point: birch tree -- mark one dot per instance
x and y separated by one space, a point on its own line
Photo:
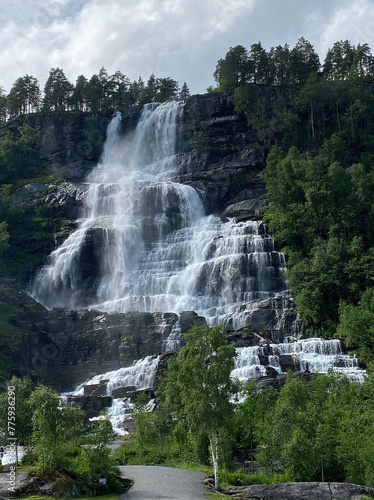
199 387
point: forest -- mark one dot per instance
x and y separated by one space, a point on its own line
314 124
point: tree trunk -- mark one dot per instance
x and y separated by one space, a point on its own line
214 447
337 116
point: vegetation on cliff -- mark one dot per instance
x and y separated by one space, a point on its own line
314 126
315 123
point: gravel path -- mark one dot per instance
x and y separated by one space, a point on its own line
163 483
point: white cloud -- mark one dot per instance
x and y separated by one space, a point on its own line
182 39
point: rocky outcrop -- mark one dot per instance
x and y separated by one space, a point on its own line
223 158
69 144
62 348
302 491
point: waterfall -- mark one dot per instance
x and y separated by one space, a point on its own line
141 375
315 355
144 243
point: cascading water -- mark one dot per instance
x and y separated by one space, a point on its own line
145 244
315 355
139 376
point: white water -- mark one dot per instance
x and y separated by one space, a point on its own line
315 355
145 244
140 375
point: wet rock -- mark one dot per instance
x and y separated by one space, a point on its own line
91 405
247 209
275 380
123 392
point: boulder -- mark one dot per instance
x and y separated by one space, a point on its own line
247 209
302 491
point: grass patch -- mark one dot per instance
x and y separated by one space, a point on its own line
240 478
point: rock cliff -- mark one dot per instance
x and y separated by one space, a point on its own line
220 157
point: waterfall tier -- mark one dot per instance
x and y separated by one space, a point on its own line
314 355
145 244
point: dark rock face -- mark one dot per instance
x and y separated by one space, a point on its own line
68 196
220 159
302 491
63 348
69 143
91 405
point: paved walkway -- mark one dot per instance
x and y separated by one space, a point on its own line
163 483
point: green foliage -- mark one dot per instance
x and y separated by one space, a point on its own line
321 208
21 392
17 154
198 388
57 91
356 326
60 442
53 429
233 70
24 96
317 431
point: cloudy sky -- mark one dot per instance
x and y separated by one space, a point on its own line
182 39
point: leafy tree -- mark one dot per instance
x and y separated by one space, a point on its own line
137 91
94 459
79 98
3 106
168 90
23 428
280 65
53 428
145 424
261 71
356 326
199 387
304 61
119 86
57 91
17 154
150 90
339 60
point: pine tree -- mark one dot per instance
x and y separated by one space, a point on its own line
57 91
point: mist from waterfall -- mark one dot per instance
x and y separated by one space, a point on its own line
144 243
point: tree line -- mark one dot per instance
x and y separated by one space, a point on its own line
97 94
290 68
